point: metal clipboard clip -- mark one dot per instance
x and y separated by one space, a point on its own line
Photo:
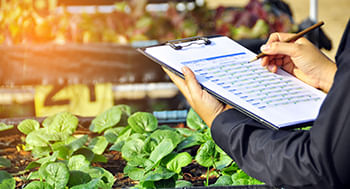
193 41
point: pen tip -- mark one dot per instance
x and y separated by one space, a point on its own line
252 60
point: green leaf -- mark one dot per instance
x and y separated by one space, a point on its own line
107 119
32 165
5 162
166 183
38 185
133 152
39 152
4 127
47 121
41 137
178 161
183 184
28 125
33 175
77 178
93 184
123 136
137 136
98 144
70 138
124 108
166 127
230 170
241 178
150 145
160 135
186 131
78 162
126 112
107 178
159 173
99 158
57 145
193 121
132 149
134 173
63 152
117 146
223 181
142 122
89 155
146 185
6 180
205 154
55 173
78 143
163 149
190 141
38 163
223 162
112 134
64 122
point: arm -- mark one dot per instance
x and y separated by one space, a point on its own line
278 158
317 158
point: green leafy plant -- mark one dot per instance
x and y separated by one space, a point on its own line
63 159
6 180
156 155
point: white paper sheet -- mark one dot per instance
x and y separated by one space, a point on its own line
276 99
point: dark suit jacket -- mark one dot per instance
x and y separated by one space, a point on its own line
319 158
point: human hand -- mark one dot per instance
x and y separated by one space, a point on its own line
300 58
203 103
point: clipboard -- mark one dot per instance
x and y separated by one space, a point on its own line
222 68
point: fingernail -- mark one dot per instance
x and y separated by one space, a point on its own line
265 47
270 67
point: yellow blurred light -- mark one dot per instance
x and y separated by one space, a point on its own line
40 4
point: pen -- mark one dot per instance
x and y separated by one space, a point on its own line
293 38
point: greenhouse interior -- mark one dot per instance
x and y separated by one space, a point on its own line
82 107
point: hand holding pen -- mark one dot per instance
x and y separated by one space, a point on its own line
292 38
300 58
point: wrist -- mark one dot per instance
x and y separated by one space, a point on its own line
327 76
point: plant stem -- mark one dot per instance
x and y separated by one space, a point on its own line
208 173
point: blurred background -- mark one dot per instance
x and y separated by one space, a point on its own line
333 13
79 55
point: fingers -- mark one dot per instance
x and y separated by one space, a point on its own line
189 87
192 84
281 48
279 53
274 37
180 83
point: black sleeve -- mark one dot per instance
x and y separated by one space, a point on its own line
293 158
